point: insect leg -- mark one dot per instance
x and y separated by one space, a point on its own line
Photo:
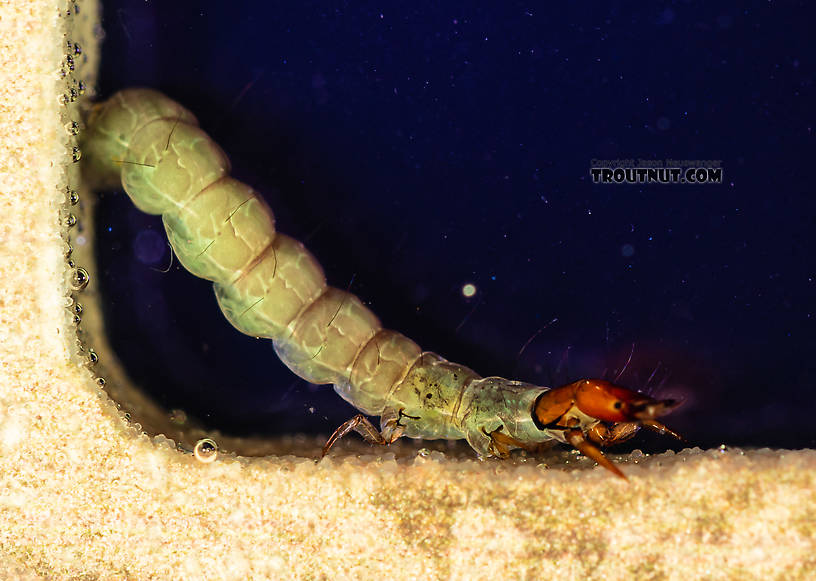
615 434
390 424
503 443
362 426
575 438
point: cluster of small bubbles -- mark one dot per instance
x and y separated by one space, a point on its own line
71 221
205 451
79 279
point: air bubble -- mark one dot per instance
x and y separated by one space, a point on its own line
72 128
73 196
468 290
71 221
78 308
205 451
80 279
100 381
93 358
178 417
77 319
76 154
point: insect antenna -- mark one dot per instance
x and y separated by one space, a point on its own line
244 91
533 336
169 137
466 317
165 270
632 352
123 161
648 390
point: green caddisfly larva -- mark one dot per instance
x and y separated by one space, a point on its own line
268 285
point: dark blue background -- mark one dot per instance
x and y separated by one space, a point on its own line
418 146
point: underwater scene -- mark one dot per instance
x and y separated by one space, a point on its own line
537 191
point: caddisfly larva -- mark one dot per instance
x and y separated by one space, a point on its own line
268 285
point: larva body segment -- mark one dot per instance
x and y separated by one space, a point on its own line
269 285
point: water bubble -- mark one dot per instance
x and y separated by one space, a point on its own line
80 279
205 451
468 290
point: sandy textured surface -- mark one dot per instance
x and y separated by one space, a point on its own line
83 495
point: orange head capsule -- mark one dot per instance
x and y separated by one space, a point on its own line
610 403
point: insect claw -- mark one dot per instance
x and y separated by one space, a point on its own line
662 430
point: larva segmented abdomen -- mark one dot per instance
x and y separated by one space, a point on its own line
267 284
